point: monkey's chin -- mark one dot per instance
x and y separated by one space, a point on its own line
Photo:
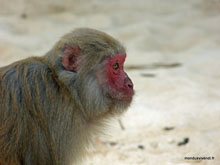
121 105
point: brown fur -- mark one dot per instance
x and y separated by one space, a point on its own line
48 114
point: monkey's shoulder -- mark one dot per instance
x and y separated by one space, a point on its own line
29 81
28 71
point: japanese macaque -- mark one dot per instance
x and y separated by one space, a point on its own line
52 106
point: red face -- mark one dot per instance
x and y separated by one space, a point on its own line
119 84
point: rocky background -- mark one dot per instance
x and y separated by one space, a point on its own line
173 49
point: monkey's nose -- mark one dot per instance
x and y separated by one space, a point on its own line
129 85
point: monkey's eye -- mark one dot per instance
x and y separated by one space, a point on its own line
115 66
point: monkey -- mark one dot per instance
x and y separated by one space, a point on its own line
51 106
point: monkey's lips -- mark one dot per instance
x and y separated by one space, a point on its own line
126 96
128 99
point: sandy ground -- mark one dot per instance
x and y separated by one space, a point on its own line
173 49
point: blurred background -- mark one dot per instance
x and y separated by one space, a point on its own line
173 49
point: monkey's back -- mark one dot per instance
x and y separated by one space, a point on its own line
26 88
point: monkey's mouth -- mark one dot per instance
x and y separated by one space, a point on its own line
127 93
122 96
128 99
129 96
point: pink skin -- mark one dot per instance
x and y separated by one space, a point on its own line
118 80
70 58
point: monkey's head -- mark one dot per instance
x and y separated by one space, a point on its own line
91 62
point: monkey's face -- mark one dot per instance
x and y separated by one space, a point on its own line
117 84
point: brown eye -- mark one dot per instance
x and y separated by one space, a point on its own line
115 66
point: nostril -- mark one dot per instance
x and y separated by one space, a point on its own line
130 85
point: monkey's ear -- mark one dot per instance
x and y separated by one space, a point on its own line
70 57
